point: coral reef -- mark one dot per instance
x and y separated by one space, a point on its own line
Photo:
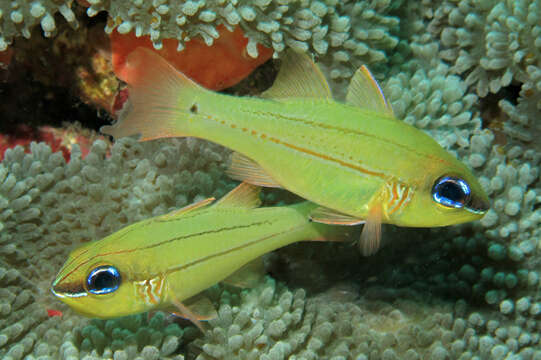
344 34
18 17
275 323
467 72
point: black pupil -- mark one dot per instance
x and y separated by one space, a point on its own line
452 191
103 280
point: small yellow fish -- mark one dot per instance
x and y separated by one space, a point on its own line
160 262
356 160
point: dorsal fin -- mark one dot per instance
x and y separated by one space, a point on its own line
181 212
244 196
365 92
245 169
299 77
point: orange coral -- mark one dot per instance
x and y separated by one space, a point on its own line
215 67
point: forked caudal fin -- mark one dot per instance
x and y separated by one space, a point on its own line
161 99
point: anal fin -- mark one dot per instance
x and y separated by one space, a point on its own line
248 276
247 170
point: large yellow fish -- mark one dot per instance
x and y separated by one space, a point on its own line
356 160
160 262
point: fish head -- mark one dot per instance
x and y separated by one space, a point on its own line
447 194
97 285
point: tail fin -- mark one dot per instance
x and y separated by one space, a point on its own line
161 98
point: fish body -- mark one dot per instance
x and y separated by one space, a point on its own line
355 159
176 256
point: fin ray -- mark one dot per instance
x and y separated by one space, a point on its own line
299 77
186 313
245 169
328 216
244 195
370 240
365 92
183 211
159 96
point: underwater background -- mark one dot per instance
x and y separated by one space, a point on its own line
468 72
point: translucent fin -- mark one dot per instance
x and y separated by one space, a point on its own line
332 217
244 196
160 98
187 313
298 77
365 92
181 212
370 240
248 276
201 307
247 170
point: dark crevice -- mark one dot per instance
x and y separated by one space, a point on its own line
491 114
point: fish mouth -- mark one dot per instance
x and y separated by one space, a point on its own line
67 291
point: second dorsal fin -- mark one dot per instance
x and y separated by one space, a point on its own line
189 208
365 92
243 196
299 77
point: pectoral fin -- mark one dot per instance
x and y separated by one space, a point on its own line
196 309
370 240
299 77
365 92
332 217
247 170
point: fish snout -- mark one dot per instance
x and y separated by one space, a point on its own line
61 290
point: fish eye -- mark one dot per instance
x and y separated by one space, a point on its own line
451 192
103 280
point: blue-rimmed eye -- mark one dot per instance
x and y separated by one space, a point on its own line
451 192
103 280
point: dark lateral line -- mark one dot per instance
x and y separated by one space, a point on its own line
162 243
225 252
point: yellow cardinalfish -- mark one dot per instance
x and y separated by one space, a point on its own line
160 262
355 159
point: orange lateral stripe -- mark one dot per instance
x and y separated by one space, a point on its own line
325 157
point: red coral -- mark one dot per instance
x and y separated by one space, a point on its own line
215 67
59 139
5 58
